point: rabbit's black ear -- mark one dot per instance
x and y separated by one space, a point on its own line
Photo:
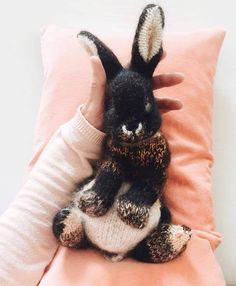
95 47
147 46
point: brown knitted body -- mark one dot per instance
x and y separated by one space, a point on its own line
143 159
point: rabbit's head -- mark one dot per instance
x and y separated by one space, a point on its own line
131 111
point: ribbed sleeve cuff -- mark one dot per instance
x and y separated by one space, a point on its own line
82 136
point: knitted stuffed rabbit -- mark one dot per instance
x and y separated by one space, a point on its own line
120 209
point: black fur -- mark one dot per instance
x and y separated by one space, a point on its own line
97 200
157 247
134 151
126 98
110 62
58 225
132 118
165 215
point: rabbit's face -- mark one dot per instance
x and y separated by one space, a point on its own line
131 112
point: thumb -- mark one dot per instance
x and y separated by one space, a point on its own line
97 90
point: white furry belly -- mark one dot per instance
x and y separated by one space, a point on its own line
110 233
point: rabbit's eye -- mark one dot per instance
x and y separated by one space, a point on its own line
148 106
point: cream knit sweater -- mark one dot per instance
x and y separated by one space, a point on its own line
27 244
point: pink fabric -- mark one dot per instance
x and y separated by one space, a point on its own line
188 191
197 266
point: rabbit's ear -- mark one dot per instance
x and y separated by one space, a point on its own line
95 47
147 46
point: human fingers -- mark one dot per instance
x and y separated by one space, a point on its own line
166 80
167 104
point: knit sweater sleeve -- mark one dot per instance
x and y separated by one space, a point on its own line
27 244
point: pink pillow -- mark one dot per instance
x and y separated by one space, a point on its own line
188 191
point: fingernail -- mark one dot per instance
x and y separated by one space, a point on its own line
179 74
180 104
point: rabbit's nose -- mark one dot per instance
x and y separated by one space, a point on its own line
131 126
135 128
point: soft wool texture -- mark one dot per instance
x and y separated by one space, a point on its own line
111 232
188 193
117 222
27 250
151 20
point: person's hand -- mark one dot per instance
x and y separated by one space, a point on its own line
93 109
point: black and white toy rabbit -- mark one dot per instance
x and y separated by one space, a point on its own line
120 209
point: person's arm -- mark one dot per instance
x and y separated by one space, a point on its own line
26 241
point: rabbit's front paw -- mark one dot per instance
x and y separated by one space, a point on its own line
92 204
135 215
